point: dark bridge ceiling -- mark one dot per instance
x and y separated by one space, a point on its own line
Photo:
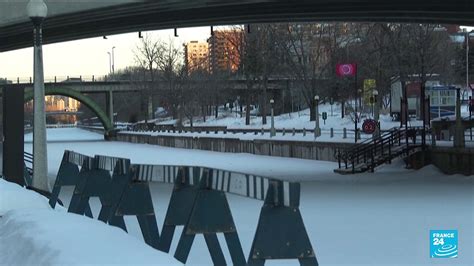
77 19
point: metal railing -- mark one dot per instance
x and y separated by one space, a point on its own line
332 132
63 79
378 150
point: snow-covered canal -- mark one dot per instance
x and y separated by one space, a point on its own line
382 218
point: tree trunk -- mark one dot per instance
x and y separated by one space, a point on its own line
203 112
264 104
143 109
343 103
180 117
150 107
247 111
312 114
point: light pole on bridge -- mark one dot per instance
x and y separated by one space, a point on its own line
110 62
113 60
37 11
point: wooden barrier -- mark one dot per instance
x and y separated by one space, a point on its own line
69 173
198 203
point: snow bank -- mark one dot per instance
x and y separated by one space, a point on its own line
15 197
46 237
31 233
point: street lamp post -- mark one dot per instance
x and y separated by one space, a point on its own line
272 129
113 60
317 130
355 113
375 93
37 11
375 110
110 62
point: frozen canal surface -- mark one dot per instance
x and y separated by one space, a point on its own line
367 219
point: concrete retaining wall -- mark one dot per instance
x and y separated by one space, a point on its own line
449 160
453 161
294 149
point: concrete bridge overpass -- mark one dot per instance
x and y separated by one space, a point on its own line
72 20
80 88
101 84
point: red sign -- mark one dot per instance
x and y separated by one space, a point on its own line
369 126
344 70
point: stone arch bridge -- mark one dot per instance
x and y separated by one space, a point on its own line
84 99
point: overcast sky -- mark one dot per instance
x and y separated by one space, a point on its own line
89 57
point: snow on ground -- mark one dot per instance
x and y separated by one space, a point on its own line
380 218
153 154
31 233
297 120
14 197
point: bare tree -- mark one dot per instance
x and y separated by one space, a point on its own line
173 74
147 54
309 49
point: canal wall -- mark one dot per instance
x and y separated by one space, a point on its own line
324 151
447 159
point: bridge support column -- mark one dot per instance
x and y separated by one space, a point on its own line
13 134
110 106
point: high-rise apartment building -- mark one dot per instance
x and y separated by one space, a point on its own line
224 50
196 56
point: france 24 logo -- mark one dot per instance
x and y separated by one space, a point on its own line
443 243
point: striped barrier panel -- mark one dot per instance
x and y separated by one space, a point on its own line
128 197
93 181
69 173
199 203
196 207
110 179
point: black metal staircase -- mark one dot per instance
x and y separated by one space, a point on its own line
373 152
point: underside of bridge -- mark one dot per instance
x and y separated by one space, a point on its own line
71 20
101 114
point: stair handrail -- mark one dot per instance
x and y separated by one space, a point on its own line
393 134
366 143
370 146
